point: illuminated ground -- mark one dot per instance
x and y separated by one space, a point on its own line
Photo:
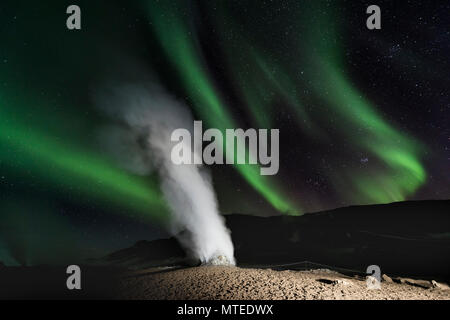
237 283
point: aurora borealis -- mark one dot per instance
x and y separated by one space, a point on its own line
173 34
363 115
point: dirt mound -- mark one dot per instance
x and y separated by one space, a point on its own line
228 283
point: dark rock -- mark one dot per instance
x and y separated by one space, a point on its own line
425 284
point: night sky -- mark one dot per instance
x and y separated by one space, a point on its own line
364 115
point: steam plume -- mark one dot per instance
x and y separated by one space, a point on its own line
147 116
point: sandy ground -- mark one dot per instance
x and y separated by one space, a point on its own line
228 283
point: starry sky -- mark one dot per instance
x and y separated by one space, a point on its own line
364 115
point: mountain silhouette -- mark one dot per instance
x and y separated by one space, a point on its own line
403 238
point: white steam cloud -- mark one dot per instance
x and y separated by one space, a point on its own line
141 142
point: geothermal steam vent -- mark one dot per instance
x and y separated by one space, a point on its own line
148 113
219 260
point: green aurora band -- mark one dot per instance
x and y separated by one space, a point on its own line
27 149
176 40
399 171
